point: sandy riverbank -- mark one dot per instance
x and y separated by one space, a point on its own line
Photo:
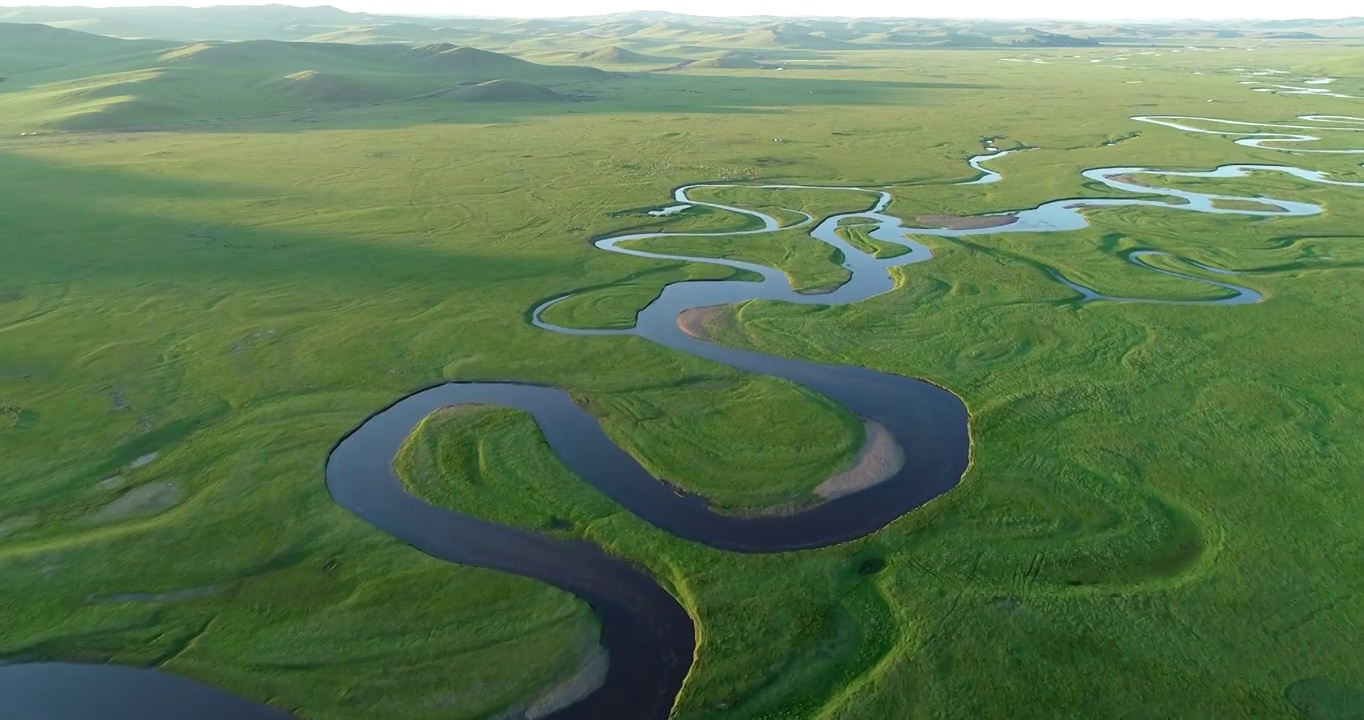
878 461
693 322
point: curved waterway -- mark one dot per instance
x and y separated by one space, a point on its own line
649 635
987 176
1267 136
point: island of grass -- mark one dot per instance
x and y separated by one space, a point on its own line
857 232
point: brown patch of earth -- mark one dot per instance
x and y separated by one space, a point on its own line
966 222
693 322
878 461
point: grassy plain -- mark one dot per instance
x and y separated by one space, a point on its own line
1162 516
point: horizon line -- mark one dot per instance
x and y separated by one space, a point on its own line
747 16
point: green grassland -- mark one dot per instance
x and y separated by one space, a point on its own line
1162 516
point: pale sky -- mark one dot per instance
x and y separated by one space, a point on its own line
1069 9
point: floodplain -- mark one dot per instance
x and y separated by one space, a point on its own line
224 256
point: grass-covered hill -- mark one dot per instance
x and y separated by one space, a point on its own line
26 47
616 55
1033 37
786 35
58 79
650 33
732 60
225 22
506 91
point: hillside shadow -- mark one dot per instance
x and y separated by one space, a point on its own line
676 91
67 226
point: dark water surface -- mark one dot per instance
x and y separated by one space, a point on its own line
64 691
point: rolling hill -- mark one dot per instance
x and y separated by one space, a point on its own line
1291 35
25 47
314 87
642 32
1033 37
68 80
785 38
728 61
235 61
506 91
224 22
616 55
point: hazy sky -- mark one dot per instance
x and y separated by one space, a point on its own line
903 8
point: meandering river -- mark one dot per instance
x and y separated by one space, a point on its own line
650 637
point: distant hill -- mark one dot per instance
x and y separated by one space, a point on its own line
506 91
648 16
380 32
644 32
316 87
1306 23
484 64
455 63
728 61
616 55
894 38
783 37
1033 37
1295 35
963 41
68 80
224 22
26 47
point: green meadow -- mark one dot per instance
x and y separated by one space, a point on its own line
216 257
